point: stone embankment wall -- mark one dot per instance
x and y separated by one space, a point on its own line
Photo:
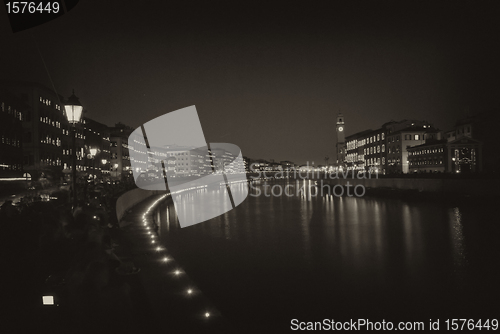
478 187
131 198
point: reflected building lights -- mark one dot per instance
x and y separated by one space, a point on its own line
457 237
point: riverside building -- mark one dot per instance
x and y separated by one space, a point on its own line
384 150
12 112
457 153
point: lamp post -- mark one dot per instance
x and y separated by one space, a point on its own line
73 109
104 162
93 153
115 166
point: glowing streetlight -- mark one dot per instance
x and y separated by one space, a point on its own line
74 110
93 153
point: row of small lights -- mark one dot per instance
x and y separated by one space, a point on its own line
267 178
49 300
166 259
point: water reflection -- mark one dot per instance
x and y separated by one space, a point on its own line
305 216
332 247
456 231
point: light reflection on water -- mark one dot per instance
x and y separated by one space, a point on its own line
358 227
358 251
457 237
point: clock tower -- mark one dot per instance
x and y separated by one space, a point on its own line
340 129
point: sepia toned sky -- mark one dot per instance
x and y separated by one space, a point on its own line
267 76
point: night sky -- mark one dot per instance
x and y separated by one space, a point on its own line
269 77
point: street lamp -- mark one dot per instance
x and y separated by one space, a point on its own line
74 110
93 152
115 168
104 162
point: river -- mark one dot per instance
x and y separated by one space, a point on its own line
277 258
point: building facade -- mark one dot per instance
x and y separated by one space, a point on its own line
483 127
120 166
458 152
97 136
385 150
45 129
12 112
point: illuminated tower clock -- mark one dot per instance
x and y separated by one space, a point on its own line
340 140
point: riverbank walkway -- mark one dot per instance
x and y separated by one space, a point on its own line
164 298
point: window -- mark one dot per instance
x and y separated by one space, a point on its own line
378 149
383 147
378 137
417 137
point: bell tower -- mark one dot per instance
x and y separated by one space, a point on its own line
340 129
